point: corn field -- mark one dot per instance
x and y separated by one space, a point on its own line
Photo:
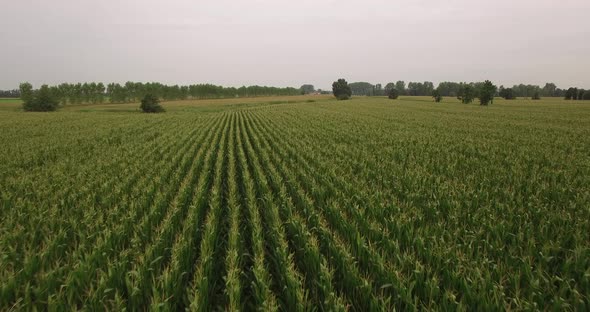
363 205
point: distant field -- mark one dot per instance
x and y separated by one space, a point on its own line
10 101
297 203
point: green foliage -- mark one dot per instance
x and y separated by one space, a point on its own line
341 89
536 95
392 94
131 92
362 88
42 100
507 93
26 92
571 94
581 94
486 92
586 95
436 96
151 104
466 94
400 85
420 88
307 89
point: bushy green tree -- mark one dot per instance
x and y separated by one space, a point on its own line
486 93
307 89
581 94
436 96
341 89
400 85
151 104
536 95
571 94
466 94
507 93
42 100
26 91
586 95
392 93
388 87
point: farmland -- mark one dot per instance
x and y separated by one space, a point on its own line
297 203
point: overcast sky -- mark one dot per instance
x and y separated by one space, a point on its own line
289 43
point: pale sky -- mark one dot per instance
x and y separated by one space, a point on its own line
289 43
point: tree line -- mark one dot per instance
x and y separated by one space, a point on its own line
455 89
94 93
9 94
465 92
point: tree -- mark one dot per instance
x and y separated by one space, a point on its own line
400 85
378 90
580 94
486 93
362 88
392 93
569 94
436 95
507 93
26 91
536 95
586 95
415 88
388 87
341 89
42 100
307 89
549 89
466 94
151 104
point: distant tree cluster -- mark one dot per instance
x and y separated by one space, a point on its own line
464 91
9 94
307 89
506 93
577 94
94 93
42 100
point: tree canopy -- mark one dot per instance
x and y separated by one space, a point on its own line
307 89
341 89
486 93
436 95
42 100
392 93
151 104
506 93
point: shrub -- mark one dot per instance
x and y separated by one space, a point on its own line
392 94
536 96
436 95
486 93
341 89
507 93
466 94
151 104
42 100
